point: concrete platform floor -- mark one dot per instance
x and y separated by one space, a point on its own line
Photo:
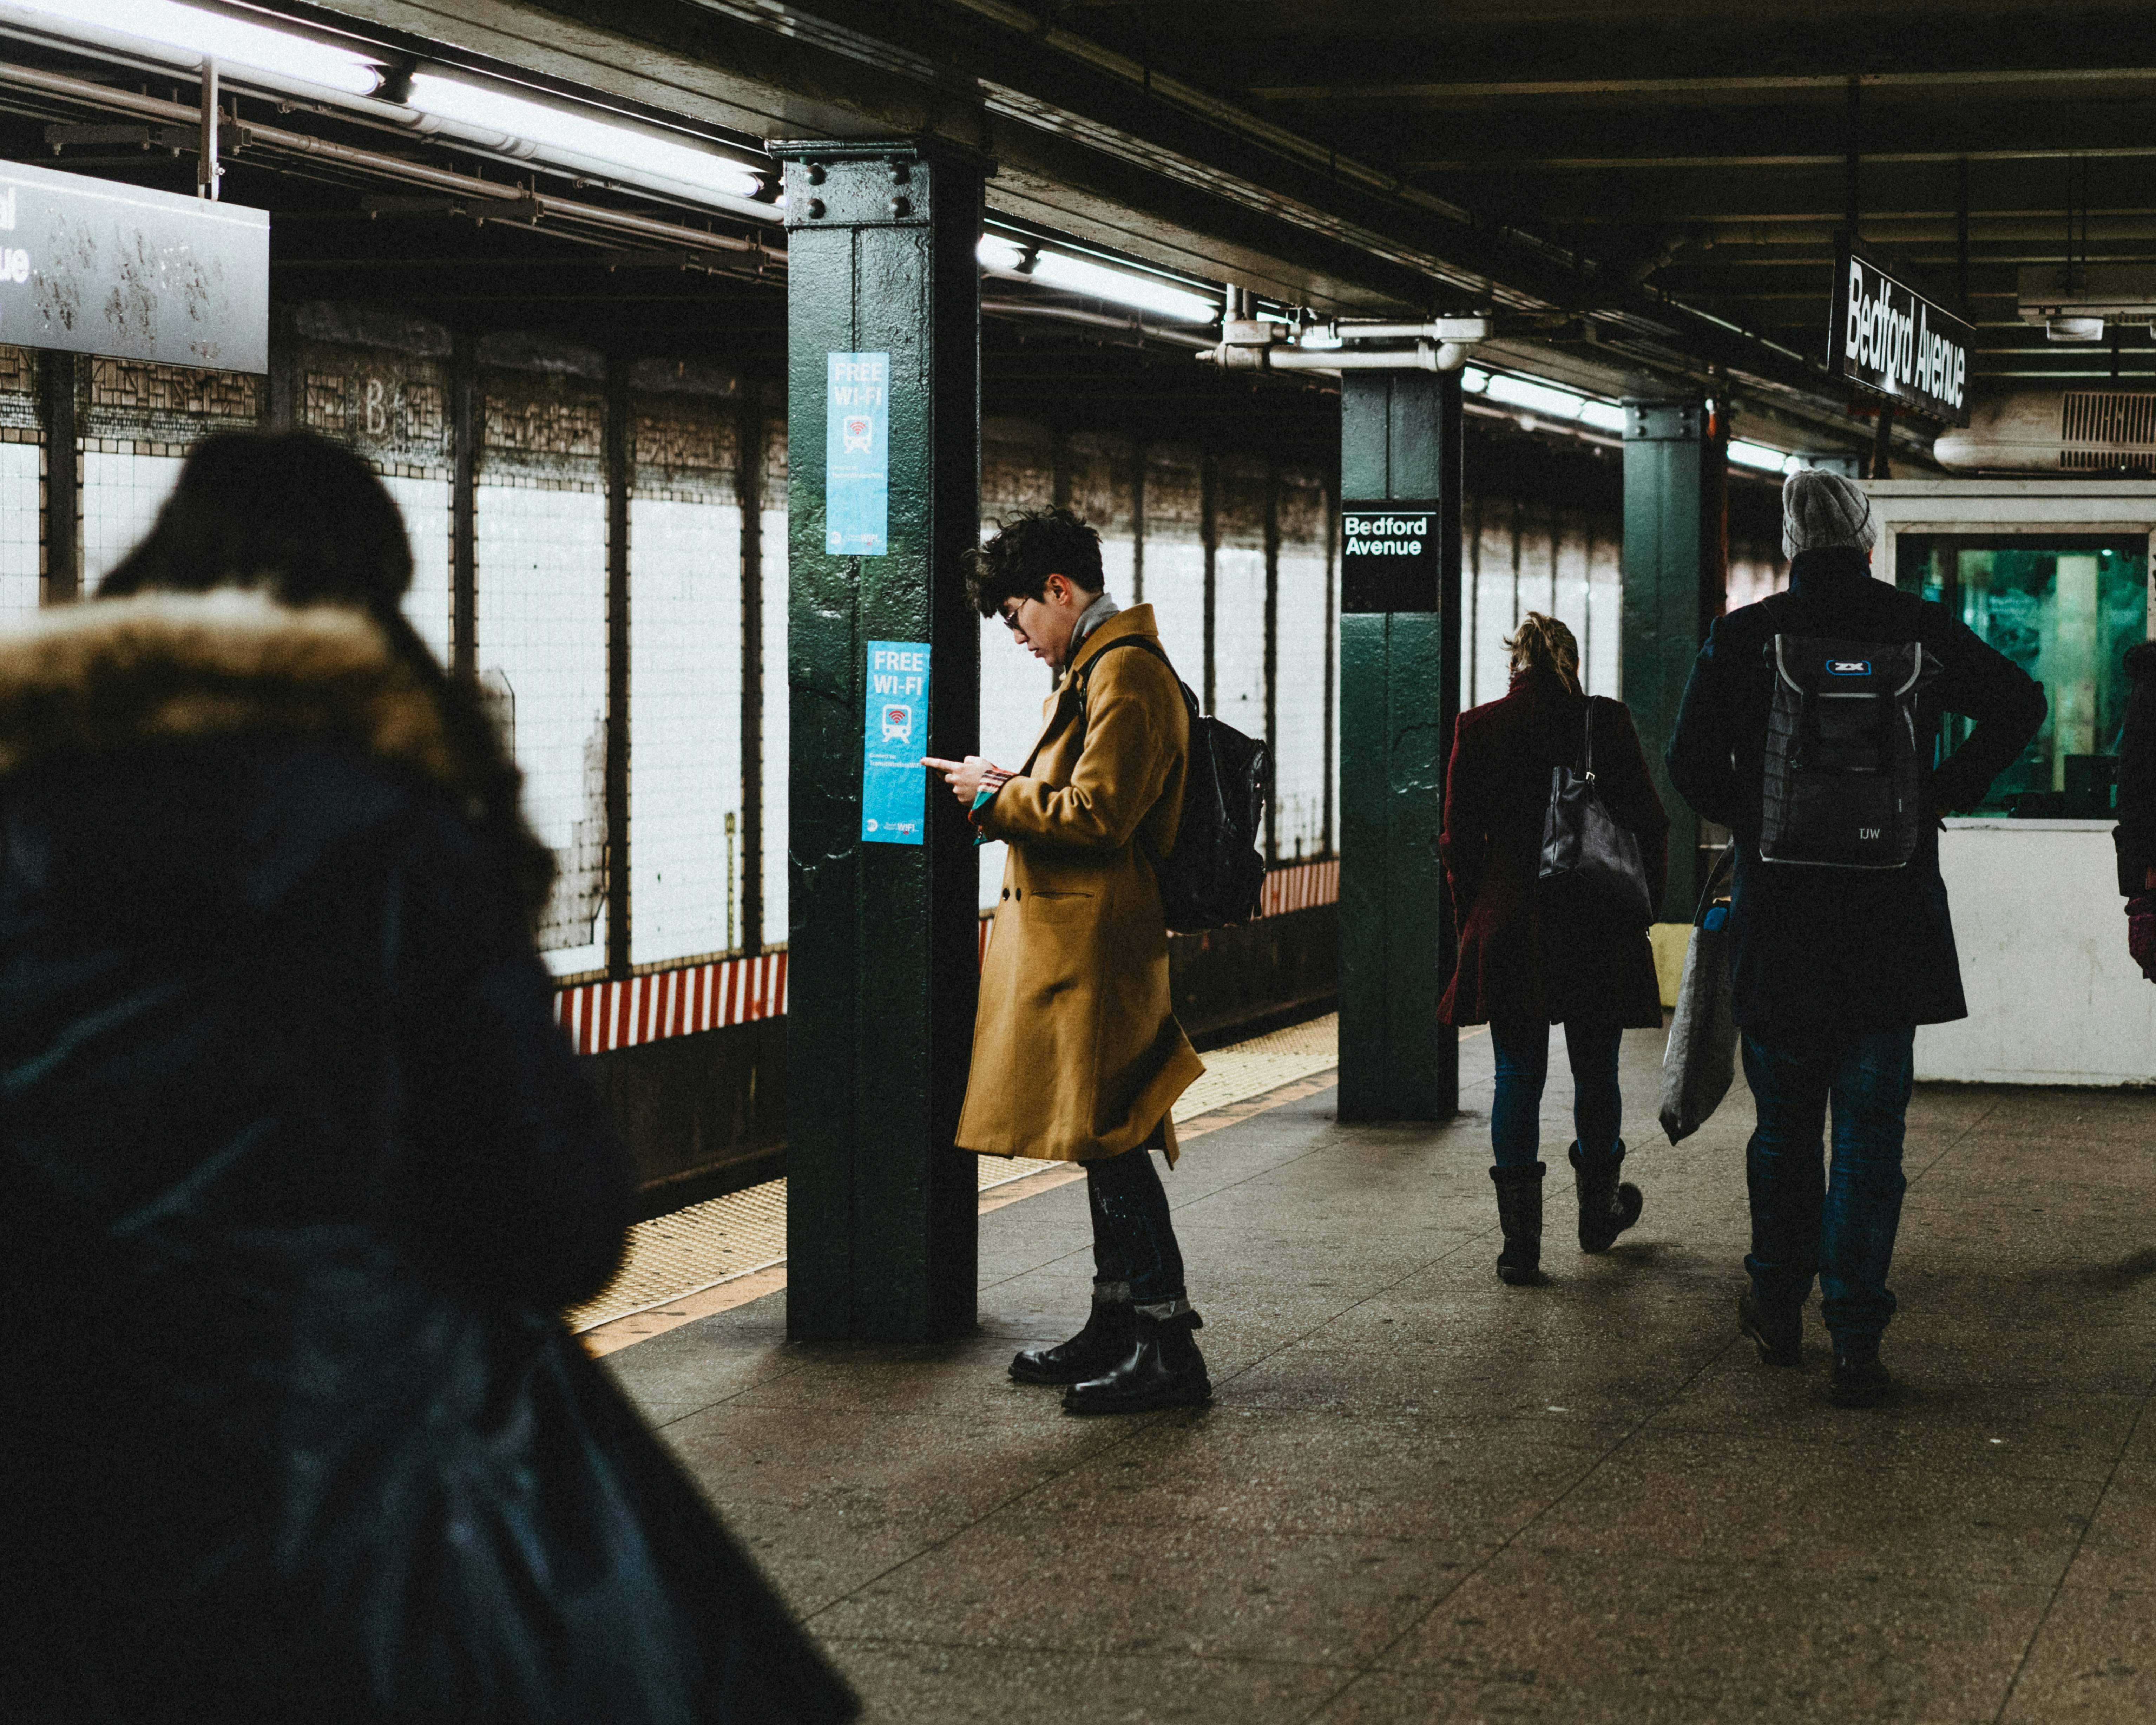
1423 1495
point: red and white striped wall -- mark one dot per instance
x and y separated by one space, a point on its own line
603 1016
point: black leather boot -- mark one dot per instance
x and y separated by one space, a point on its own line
1110 1332
1163 1369
1606 1208
1520 1214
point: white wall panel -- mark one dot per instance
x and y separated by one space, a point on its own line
1175 588
19 529
424 504
686 866
777 719
1238 639
1299 700
120 497
1601 652
542 633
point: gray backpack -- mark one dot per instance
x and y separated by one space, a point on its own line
1844 779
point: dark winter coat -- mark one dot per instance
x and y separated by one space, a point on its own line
2135 835
1823 951
296 1170
1532 951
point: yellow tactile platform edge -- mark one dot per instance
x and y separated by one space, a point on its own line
673 1257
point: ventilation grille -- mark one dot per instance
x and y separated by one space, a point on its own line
2122 427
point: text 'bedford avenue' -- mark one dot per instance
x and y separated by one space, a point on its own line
1896 339
1386 534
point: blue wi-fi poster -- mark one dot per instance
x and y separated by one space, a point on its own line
893 783
857 456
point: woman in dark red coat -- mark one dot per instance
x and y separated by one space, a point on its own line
1533 954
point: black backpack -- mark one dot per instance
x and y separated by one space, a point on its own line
1216 871
1845 781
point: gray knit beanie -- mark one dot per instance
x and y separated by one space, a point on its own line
1820 510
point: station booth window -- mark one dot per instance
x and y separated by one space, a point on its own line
2065 608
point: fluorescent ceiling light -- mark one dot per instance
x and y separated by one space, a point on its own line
1760 456
1318 339
543 123
1075 275
997 253
1474 380
1536 398
2073 328
222 38
1602 415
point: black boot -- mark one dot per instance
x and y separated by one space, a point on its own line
1110 1332
1606 1208
1520 1214
1163 1369
1777 1332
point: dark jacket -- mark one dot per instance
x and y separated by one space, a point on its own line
2135 835
1824 951
1530 951
296 1170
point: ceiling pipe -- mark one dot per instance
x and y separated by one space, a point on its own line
1279 356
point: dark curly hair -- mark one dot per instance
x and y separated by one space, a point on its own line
307 521
1027 548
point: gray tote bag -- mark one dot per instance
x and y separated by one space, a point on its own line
1700 1062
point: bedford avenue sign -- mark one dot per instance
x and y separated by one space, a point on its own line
93 266
1889 339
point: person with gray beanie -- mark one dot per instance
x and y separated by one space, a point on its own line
1840 941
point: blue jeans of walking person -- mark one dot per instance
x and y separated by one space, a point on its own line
1522 1070
1804 1224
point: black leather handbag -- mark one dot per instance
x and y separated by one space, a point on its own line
1586 849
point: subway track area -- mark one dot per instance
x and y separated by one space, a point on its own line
1421 1495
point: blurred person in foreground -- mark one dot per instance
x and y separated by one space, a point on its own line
298 1172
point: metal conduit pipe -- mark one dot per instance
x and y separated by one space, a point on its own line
1422 357
412 173
141 53
1132 326
1441 329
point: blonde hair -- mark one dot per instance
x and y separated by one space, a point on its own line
1543 643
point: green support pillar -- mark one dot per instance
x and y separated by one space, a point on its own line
1399 695
1666 533
882 974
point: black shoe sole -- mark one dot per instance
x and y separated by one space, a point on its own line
1627 1195
1023 1374
1513 1277
1197 1396
1771 1354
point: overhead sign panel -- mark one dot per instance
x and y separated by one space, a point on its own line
92 266
1890 340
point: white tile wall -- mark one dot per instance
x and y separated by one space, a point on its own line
1299 699
542 625
19 529
1239 640
1013 686
1175 588
777 717
120 497
424 504
686 870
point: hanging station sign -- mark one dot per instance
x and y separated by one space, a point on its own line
1892 342
93 266
1389 556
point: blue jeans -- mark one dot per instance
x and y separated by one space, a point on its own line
1598 1111
1133 1239
1803 1226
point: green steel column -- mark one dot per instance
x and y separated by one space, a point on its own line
882 975
1665 543
1399 694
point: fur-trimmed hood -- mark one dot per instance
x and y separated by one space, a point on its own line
100 682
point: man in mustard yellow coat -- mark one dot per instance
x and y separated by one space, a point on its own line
1077 1055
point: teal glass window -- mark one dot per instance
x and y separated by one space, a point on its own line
2064 608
